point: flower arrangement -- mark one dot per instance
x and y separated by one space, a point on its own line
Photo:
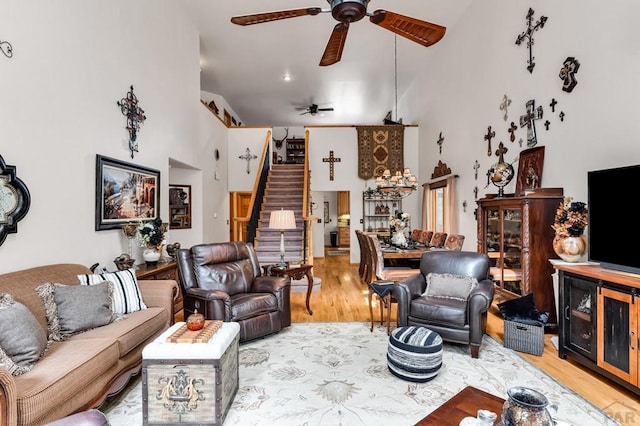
399 221
571 218
151 233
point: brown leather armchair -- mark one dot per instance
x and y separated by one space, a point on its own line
223 281
456 320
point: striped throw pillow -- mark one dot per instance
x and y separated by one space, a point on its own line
126 293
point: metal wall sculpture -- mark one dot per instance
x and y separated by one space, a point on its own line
135 116
528 36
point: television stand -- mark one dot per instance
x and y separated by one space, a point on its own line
599 323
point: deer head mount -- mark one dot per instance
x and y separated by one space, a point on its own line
279 142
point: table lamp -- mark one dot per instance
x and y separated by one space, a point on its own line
282 219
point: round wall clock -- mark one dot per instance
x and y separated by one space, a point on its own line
14 200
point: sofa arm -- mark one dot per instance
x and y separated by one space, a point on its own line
8 399
160 294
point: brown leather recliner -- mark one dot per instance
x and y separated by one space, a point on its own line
223 281
454 319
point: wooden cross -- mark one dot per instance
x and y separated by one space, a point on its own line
135 116
528 35
248 156
528 119
476 166
475 192
512 130
547 124
568 74
503 106
553 104
501 151
440 141
490 135
331 160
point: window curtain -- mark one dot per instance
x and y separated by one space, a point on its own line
450 219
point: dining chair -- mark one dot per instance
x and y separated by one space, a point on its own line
454 242
415 234
425 237
382 279
438 240
363 268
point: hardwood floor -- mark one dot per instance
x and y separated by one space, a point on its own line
343 297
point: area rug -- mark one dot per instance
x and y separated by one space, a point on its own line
380 148
336 374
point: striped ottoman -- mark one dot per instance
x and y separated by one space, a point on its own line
414 353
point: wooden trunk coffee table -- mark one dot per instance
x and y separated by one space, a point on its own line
465 403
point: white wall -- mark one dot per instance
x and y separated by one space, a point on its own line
72 61
477 62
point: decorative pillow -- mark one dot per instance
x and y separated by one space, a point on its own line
126 293
71 309
22 340
449 286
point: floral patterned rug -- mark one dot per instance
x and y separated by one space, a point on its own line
336 374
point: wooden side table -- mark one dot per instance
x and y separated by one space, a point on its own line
162 271
295 273
465 403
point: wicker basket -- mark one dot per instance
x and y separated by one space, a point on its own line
523 337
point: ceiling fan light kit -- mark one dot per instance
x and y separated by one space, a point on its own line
348 11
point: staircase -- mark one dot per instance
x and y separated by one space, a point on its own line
284 190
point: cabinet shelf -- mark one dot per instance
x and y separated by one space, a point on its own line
581 315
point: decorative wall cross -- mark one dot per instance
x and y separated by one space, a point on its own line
512 130
476 166
528 35
504 105
475 192
248 156
6 48
490 135
331 160
528 119
440 141
135 116
553 104
568 73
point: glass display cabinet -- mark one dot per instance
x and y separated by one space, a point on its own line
516 234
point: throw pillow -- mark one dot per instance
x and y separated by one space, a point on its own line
449 286
22 340
126 293
71 309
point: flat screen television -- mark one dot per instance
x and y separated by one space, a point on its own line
614 227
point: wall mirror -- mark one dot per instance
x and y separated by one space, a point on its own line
179 206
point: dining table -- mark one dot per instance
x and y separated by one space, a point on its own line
395 253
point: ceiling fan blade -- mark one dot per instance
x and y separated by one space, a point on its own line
335 45
325 109
421 32
259 18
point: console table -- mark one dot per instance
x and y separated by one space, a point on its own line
295 273
167 270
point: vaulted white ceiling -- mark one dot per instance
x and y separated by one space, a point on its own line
246 64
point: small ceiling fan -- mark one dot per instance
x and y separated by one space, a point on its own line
348 11
313 109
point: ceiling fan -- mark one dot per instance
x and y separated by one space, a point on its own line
313 109
348 11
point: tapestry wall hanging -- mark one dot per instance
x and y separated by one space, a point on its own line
380 148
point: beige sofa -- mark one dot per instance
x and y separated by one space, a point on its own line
80 372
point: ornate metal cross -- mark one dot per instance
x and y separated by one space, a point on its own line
476 166
135 116
6 48
553 104
439 142
512 130
248 156
331 160
490 135
528 35
504 105
528 119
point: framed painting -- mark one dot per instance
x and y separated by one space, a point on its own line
125 193
529 174
179 206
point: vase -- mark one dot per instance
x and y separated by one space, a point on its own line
526 407
398 239
570 249
151 255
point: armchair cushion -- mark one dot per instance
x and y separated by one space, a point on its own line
449 286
